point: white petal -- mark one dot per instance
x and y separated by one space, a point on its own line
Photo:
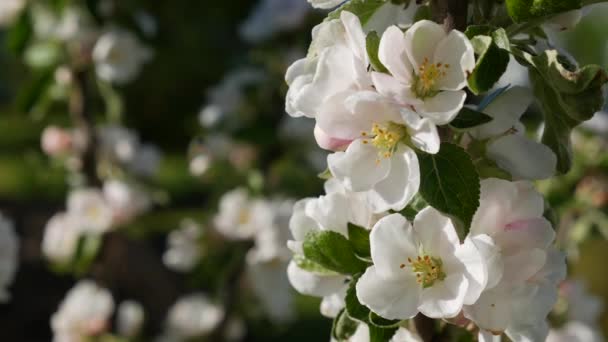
312 284
331 212
392 298
332 304
329 143
443 107
476 270
522 266
506 110
325 4
530 333
392 52
423 132
355 38
359 168
300 223
435 232
491 312
400 185
421 41
525 235
394 89
523 158
445 298
456 51
392 242
492 256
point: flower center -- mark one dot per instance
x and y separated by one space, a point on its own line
428 270
385 137
427 77
244 216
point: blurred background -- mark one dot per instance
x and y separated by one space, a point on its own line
206 115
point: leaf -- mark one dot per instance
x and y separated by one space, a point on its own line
469 118
414 207
377 334
450 182
491 64
20 33
567 97
343 327
364 9
311 266
372 45
325 175
478 30
43 55
355 309
526 10
34 91
359 239
332 251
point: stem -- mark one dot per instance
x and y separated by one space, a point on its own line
80 110
451 13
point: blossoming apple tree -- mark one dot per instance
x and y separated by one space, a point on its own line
430 219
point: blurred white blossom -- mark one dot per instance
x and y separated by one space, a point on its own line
193 316
130 318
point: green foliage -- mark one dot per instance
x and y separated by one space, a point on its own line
381 322
20 33
414 207
469 118
332 251
353 306
525 10
372 45
567 97
311 266
359 238
450 182
493 52
377 334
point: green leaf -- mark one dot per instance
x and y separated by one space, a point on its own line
364 9
325 175
359 239
43 55
343 327
332 251
567 98
20 33
34 91
382 322
526 10
450 182
491 64
377 334
355 309
372 45
478 30
311 266
414 207
469 118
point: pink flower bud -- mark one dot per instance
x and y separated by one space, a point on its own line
56 141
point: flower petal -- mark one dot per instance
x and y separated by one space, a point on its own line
392 52
359 168
506 110
456 52
392 242
393 89
423 132
421 41
523 158
435 232
475 268
525 235
492 311
329 143
445 298
442 108
392 298
300 223
312 284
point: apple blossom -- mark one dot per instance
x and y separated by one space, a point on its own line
271 286
242 217
119 56
60 240
9 10
272 16
429 69
9 256
130 318
420 268
125 200
193 316
525 271
91 209
84 313
56 141
325 4
184 250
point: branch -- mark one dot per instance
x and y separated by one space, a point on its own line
451 13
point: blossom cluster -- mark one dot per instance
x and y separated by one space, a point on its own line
389 96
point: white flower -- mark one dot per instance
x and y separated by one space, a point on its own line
325 4
241 217
523 269
194 316
61 236
56 141
575 332
271 285
512 151
9 255
272 16
387 170
9 10
119 56
423 268
90 208
125 200
184 250
563 21
84 312
130 318
271 241
200 164
429 69
146 160
337 62
118 143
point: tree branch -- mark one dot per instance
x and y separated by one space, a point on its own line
451 13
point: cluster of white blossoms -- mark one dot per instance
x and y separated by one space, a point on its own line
86 313
383 112
91 212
